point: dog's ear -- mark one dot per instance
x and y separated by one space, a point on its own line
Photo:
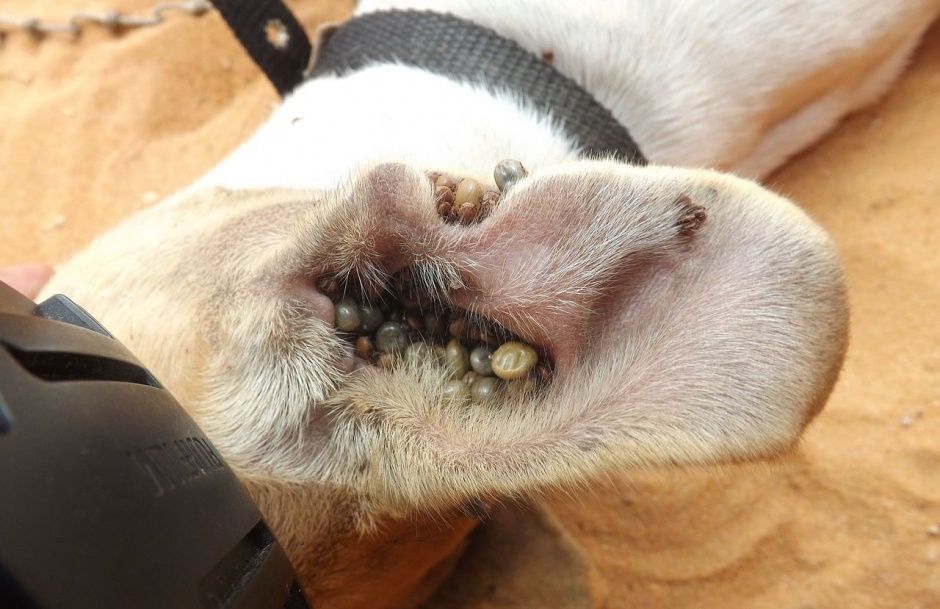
700 340
689 318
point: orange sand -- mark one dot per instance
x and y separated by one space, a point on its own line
96 129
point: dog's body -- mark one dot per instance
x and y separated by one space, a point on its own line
674 342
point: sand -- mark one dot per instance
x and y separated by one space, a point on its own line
95 129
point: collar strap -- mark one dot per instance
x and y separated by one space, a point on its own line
456 48
272 37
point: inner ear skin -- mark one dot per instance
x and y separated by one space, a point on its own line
546 260
576 244
720 345
539 262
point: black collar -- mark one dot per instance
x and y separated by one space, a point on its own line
440 43
456 48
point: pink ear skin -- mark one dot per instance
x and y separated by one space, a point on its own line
28 279
603 266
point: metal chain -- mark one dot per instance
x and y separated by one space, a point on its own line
113 20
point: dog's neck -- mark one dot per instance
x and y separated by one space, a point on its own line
332 125
463 51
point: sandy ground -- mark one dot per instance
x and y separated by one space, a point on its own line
95 129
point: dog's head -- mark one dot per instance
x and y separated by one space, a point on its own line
688 317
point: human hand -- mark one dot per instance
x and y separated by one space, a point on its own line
27 279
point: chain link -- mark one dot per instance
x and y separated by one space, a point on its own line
113 20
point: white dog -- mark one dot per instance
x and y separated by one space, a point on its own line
688 316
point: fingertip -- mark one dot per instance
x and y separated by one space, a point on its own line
28 279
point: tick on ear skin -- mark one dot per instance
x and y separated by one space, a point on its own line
467 201
692 218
